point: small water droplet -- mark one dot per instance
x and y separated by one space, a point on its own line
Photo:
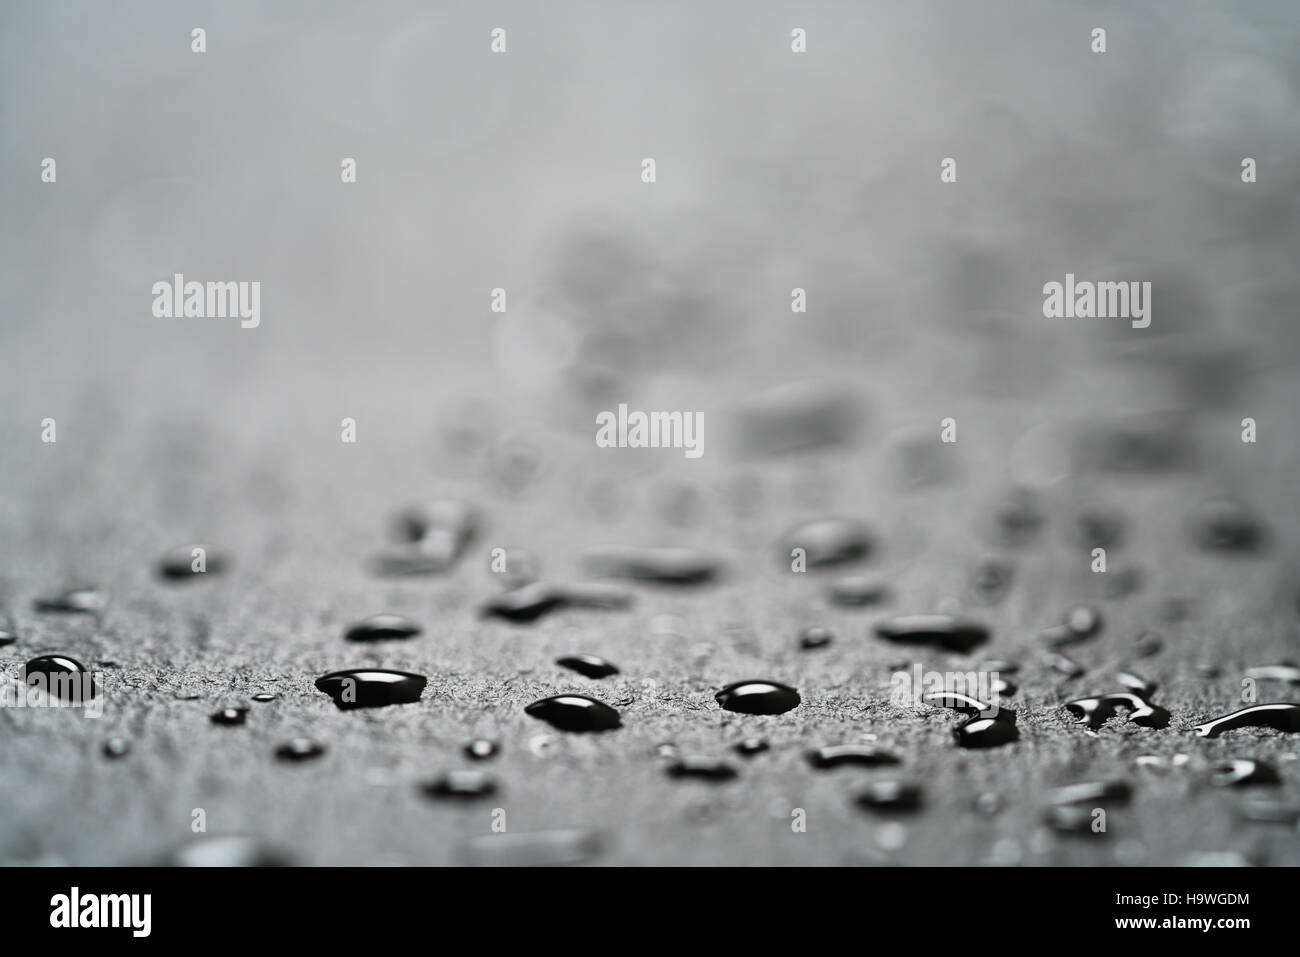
573 712
61 677
1018 520
815 637
838 755
462 784
299 749
371 688
1282 716
526 603
536 849
1064 664
382 628
942 631
858 590
1092 793
178 564
828 541
1070 819
750 747
116 748
229 716
758 697
989 803
1227 525
1242 772
227 851
481 749
796 416
1096 711
1135 683
672 566
1148 644
7 637
702 768
589 665
890 795
73 601
264 696
1282 671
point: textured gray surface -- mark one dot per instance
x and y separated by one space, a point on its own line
923 304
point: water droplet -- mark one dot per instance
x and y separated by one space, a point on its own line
1136 683
989 803
991 579
74 600
673 566
227 851
1018 520
1099 527
1241 772
264 696
702 768
433 535
1205 670
481 749
178 564
857 590
574 712
1096 711
750 747
1282 671
1092 793
862 755
460 784
1227 525
229 716
1282 716
1064 664
758 697
890 795
1146 442
536 849
116 748
982 732
7 637
299 749
382 628
1001 665
1267 811
1148 644
588 665
942 631
596 595
188 695
1070 819
371 688
526 603
1081 622
814 637
1001 686
828 541
796 416
61 677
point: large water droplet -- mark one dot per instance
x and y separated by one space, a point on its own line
758 697
589 665
942 631
61 677
229 716
838 755
890 795
1227 525
574 712
1242 772
828 541
701 767
371 688
382 628
673 566
299 749
1096 711
1281 715
75 600
460 784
